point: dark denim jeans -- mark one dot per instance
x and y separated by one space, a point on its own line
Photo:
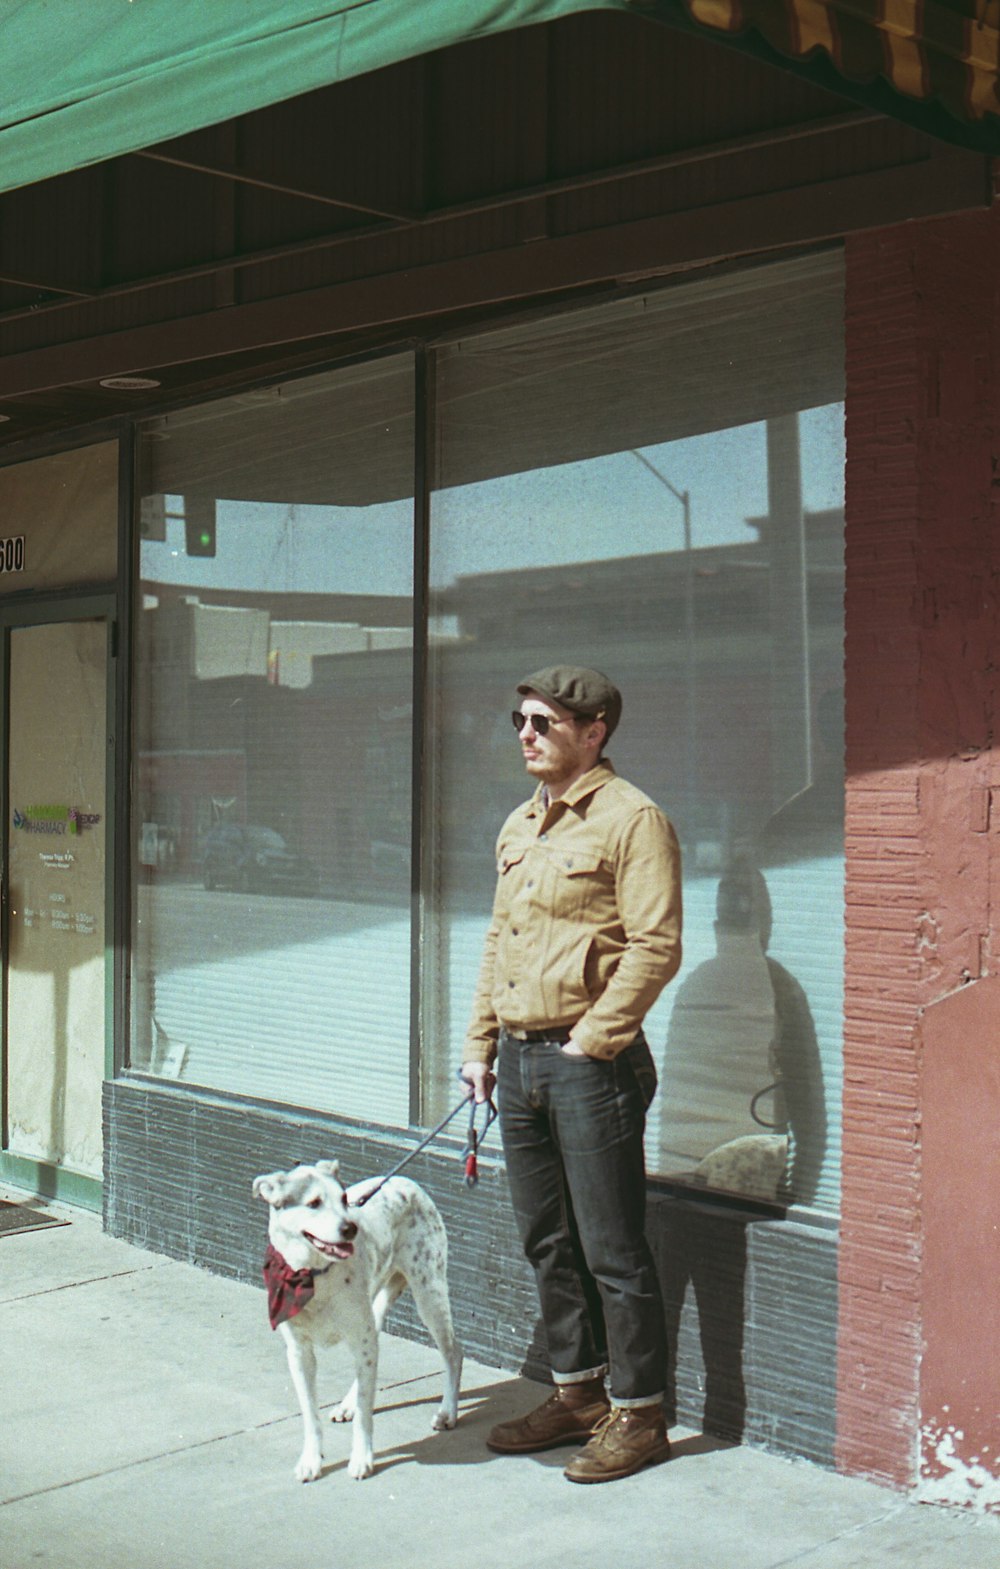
572 1134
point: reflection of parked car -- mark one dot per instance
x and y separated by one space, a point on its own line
255 859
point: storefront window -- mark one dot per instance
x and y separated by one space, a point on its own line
273 719
654 487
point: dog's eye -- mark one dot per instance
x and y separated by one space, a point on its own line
343 1200
316 1203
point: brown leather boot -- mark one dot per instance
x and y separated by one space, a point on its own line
567 1416
624 1442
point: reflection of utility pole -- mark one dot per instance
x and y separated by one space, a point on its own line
791 745
690 668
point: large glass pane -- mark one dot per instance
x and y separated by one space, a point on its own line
55 1036
654 487
273 717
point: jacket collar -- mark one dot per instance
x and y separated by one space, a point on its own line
594 779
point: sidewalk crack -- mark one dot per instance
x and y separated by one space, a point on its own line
141 1460
74 1285
805 1553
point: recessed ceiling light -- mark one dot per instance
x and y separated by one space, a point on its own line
129 383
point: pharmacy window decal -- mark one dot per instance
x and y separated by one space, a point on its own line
54 820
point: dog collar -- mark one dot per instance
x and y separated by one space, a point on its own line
288 1289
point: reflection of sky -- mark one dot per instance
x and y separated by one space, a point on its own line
593 510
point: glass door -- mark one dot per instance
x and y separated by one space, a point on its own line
55 975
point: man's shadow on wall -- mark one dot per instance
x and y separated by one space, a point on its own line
705 1327
695 1245
699 1244
698 1247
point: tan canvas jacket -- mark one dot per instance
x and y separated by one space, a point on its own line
586 927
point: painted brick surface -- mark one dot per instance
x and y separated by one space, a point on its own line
921 327
750 1304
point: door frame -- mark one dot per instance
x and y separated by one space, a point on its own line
47 1178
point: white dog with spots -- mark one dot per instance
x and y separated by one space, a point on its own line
334 1267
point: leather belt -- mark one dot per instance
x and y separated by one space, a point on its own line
559 1033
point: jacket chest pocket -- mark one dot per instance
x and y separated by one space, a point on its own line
581 880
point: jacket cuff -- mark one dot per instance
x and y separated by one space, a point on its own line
595 1043
479 1051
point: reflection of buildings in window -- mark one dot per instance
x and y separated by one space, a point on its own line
811 823
630 614
742 1089
283 647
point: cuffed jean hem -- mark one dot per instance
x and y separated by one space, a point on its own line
581 1378
638 1404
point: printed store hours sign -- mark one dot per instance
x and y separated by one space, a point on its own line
54 820
57 917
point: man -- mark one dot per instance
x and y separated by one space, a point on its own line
585 935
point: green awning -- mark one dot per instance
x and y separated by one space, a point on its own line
86 80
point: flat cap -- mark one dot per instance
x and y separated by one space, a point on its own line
582 691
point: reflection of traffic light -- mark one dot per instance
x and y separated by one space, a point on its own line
199 525
153 517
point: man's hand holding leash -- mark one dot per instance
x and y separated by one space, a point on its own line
481 1079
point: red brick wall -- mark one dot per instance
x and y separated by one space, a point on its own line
921 646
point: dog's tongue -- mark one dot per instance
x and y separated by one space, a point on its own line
331 1249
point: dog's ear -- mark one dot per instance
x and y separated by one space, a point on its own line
271 1186
328 1168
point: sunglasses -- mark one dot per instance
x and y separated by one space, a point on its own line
540 722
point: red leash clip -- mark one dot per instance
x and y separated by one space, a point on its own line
473 1141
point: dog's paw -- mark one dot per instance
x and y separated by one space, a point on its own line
344 1412
309 1468
360 1466
443 1420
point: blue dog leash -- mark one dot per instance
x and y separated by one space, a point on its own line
473 1143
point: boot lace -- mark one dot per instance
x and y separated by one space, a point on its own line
606 1421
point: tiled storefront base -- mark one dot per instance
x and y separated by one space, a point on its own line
751 1304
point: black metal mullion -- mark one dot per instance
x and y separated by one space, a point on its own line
120 780
4 874
422 470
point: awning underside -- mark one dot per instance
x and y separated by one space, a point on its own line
83 83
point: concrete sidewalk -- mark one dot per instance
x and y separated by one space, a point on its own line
147 1420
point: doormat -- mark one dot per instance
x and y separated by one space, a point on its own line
21 1217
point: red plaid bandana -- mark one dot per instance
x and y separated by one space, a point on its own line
288 1290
